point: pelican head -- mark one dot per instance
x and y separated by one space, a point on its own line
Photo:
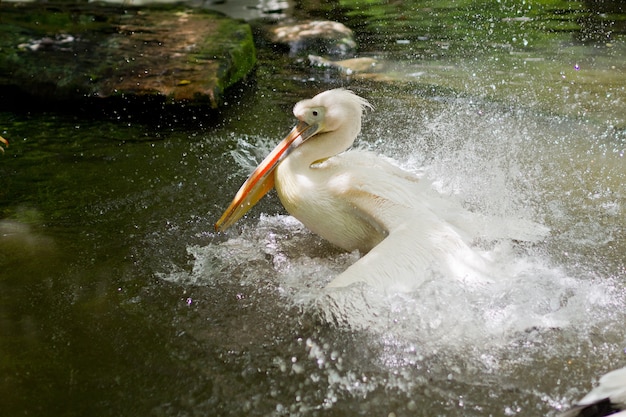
331 120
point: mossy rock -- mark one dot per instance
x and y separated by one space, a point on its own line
77 51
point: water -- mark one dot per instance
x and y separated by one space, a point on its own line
116 297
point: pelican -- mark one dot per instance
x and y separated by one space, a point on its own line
358 200
608 398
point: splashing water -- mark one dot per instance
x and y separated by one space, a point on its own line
549 295
498 165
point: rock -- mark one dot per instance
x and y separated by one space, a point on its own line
315 37
347 66
362 68
78 51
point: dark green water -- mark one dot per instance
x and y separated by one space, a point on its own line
116 297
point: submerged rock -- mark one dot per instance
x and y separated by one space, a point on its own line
347 66
73 52
320 37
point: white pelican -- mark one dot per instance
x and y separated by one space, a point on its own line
360 201
608 398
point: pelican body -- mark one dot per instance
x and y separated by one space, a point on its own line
358 200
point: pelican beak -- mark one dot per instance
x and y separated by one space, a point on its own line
6 143
262 179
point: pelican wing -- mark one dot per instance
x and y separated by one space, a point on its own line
612 385
608 398
373 176
381 179
420 241
419 246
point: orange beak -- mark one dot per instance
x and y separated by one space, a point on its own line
3 140
262 179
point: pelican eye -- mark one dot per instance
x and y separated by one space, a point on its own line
315 113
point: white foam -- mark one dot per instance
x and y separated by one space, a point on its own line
530 293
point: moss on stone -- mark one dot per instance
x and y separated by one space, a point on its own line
71 52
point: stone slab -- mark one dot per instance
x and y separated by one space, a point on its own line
70 52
